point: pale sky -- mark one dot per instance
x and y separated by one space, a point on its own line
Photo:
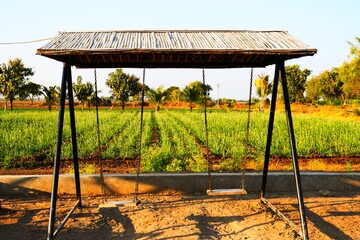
326 25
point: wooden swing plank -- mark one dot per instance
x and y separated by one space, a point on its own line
220 192
126 203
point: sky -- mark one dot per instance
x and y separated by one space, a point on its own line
324 25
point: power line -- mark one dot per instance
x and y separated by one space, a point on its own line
25 42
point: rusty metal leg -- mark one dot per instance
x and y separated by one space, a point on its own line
270 131
73 137
58 153
294 152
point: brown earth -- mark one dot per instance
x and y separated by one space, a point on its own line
338 164
183 217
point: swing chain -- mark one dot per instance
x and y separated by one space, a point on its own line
247 145
140 141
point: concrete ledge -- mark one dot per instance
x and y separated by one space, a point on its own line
180 183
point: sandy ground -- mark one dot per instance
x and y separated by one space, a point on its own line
184 217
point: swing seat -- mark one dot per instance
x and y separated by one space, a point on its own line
126 203
221 192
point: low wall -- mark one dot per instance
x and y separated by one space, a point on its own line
180 183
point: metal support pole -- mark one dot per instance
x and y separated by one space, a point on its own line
206 133
54 190
270 131
73 136
294 152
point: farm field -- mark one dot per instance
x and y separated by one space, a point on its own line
174 140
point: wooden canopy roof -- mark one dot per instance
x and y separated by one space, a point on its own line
174 49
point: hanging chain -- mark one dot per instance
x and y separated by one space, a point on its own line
102 182
206 133
247 145
140 141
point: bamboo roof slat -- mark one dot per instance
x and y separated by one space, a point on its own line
175 48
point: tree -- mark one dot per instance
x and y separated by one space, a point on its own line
296 79
330 85
174 93
157 97
191 95
199 85
194 93
84 92
229 103
31 90
123 86
354 49
263 89
14 76
51 95
349 74
313 92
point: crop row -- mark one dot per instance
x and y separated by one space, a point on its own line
178 136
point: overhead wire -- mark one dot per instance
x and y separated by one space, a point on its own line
25 42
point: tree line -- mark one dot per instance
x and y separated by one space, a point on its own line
335 86
339 84
15 85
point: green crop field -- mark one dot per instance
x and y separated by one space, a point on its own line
171 140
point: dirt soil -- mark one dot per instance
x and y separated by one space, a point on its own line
119 166
183 217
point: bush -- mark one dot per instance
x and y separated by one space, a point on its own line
197 164
156 159
177 165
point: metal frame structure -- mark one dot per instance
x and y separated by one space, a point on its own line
65 82
84 56
280 69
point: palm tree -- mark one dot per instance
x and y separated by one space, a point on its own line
84 92
157 97
263 89
192 95
89 94
51 95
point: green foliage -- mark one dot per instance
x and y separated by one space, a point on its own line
192 96
197 163
229 103
313 92
174 93
51 95
84 168
337 83
28 134
13 78
156 159
157 97
349 167
331 85
349 74
30 90
84 92
194 93
230 164
263 89
177 165
296 80
123 86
